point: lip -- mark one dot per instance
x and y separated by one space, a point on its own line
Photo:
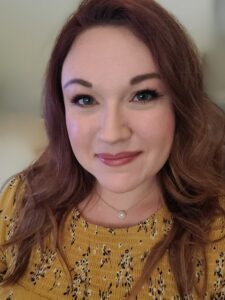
118 159
121 155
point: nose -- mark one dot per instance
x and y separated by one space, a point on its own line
113 125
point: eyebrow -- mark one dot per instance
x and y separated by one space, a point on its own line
137 79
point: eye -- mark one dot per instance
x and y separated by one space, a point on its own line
146 96
83 100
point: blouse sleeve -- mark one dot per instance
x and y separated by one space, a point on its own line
216 258
7 208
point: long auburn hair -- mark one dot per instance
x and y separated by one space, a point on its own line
192 179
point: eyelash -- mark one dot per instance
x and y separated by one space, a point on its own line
154 95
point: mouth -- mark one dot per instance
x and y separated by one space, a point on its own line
118 159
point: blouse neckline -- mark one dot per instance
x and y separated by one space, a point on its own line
156 220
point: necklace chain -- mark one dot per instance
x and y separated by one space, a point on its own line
121 213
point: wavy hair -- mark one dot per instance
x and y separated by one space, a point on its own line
192 179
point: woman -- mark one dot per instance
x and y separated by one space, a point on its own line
127 201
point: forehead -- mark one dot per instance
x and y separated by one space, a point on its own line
103 52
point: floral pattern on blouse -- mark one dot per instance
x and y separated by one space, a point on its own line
104 262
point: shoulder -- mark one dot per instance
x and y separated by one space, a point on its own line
218 225
10 194
215 255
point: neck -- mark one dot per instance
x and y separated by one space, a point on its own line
139 204
148 192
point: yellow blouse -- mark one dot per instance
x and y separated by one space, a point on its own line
105 262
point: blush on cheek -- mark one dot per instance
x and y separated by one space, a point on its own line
72 127
72 130
165 129
167 120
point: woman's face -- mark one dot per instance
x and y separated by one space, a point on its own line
112 106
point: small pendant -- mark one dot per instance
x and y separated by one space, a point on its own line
122 214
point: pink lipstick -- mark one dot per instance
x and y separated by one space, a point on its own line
118 159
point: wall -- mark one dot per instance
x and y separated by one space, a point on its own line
28 29
198 18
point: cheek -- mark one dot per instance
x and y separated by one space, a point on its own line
166 131
72 128
75 131
80 134
158 129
